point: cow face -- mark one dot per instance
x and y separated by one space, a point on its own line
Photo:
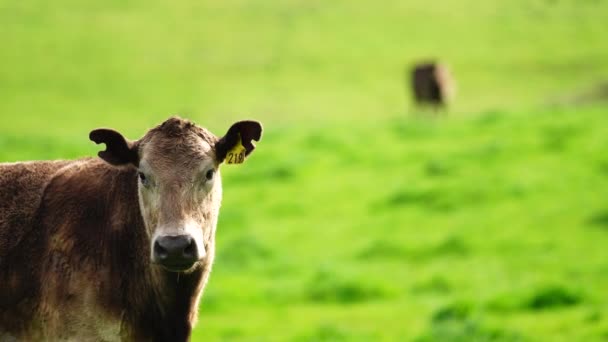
179 185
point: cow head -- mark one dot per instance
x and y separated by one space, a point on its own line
179 183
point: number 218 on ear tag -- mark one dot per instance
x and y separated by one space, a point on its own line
237 154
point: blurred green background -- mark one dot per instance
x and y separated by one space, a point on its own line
356 219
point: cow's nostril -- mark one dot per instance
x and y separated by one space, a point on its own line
190 250
159 251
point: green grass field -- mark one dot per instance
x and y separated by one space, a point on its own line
354 220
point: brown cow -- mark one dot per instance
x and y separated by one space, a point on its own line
117 248
431 84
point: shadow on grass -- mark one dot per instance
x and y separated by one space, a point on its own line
333 332
433 198
548 297
557 137
456 322
434 285
438 168
551 297
603 167
599 219
331 287
242 252
384 249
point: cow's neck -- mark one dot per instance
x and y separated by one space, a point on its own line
171 305
163 304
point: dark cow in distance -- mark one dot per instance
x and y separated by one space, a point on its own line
118 247
431 84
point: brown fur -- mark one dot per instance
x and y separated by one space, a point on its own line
75 250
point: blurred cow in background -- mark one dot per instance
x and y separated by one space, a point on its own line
431 84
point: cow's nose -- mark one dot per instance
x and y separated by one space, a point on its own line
175 251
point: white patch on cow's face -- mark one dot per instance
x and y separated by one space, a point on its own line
180 196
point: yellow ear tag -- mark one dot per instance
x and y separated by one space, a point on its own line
237 154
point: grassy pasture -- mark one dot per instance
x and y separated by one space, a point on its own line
353 220
131 63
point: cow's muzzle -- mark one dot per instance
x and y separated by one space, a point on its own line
176 253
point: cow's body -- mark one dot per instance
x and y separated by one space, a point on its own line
431 84
90 249
74 259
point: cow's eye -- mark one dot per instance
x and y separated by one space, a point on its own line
143 179
209 174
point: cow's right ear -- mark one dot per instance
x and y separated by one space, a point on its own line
118 150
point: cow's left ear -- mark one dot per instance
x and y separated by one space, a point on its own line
118 150
238 142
